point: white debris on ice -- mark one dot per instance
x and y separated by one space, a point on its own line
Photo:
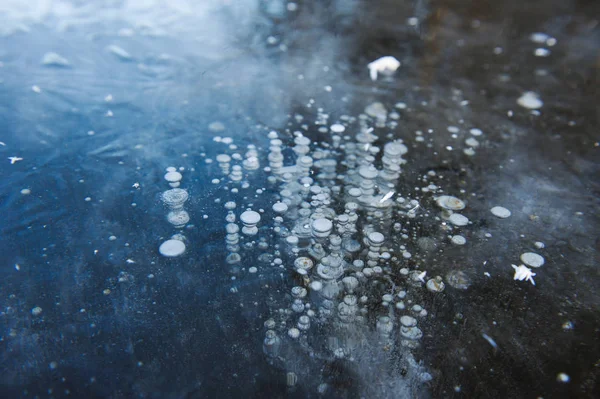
522 272
54 59
530 100
386 65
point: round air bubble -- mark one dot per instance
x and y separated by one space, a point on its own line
304 323
350 283
172 248
376 238
395 149
303 263
299 292
355 192
352 246
316 286
532 259
450 202
302 140
322 225
292 240
293 333
500 212
250 218
350 300
233 258
315 189
280 207
458 279
337 128
368 172
412 333
232 228
175 198
408 321
458 240
458 220
472 142
178 218
223 158
173 177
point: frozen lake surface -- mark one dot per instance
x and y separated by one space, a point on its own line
220 198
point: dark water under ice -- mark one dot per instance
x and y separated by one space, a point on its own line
172 328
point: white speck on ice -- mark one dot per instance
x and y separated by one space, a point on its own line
472 142
539 37
386 65
541 52
490 340
387 196
522 272
119 52
530 100
54 59
469 151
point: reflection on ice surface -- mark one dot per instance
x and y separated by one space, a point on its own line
228 199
